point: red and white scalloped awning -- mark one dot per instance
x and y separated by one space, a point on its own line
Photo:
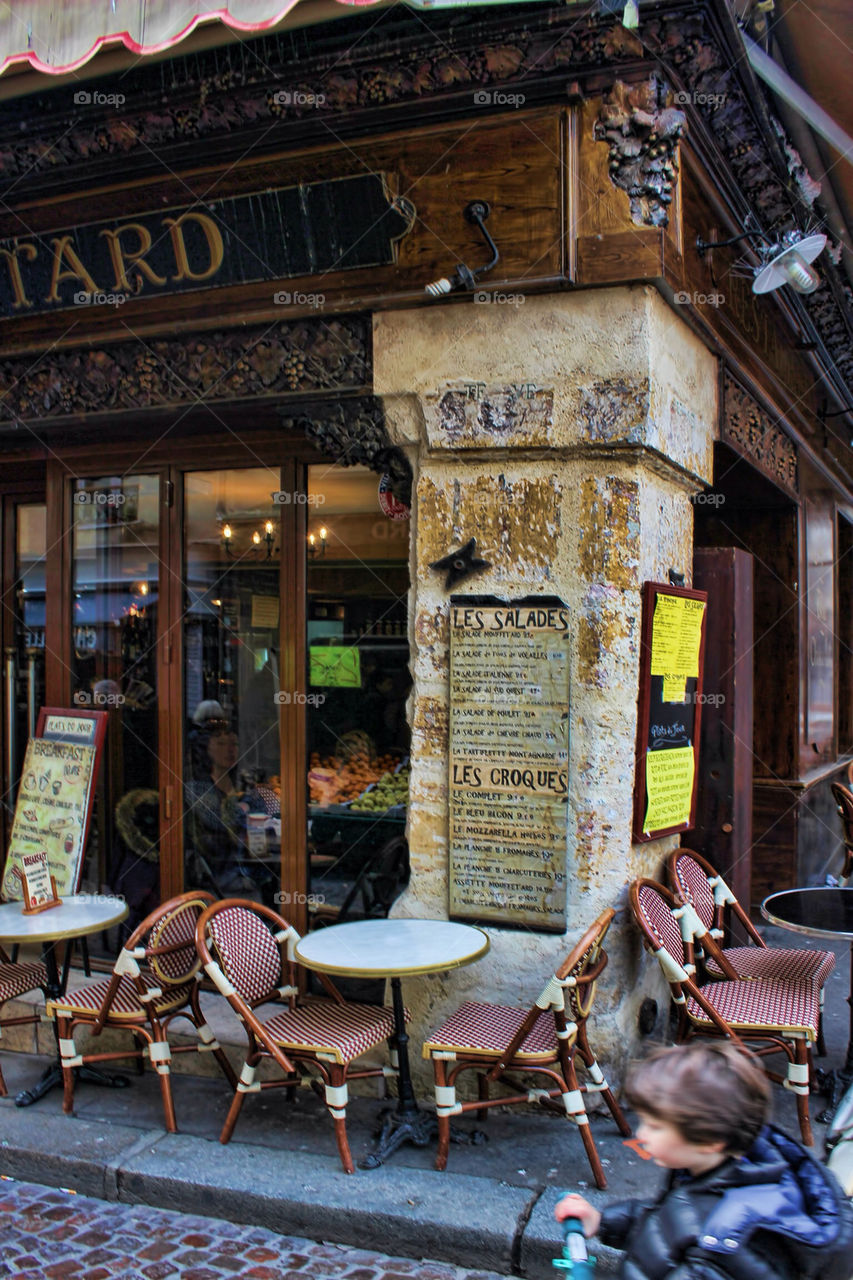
59 36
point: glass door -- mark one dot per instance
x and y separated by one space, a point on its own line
115 593
231 685
23 672
356 686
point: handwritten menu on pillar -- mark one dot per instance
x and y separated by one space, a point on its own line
509 760
672 652
51 811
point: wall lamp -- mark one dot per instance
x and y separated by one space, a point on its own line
317 546
267 537
786 260
463 277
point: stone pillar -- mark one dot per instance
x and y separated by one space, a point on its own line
567 433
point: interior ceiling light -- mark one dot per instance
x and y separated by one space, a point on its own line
786 260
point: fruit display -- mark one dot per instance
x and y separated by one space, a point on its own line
346 776
391 789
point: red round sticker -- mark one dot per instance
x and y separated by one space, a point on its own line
392 507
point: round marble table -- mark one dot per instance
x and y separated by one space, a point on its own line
394 949
79 915
820 912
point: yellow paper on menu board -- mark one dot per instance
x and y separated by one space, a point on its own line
669 788
676 636
674 689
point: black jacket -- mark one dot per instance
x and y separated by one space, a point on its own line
773 1214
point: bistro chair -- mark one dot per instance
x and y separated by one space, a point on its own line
154 980
501 1043
248 952
16 979
694 880
843 797
770 1014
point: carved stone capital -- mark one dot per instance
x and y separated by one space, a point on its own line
643 140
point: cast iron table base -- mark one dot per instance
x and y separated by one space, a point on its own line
406 1122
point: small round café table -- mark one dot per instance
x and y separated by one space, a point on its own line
78 915
819 912
394 949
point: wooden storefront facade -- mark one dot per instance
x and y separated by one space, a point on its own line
599 177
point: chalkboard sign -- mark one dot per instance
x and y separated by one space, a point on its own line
672 654
54 801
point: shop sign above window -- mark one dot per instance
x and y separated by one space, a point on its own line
269 235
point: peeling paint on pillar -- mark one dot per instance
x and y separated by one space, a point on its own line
600 628
610 530
617 409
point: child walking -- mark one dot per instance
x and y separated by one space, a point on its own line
743 1201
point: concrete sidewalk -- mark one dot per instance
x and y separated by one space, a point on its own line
492 1209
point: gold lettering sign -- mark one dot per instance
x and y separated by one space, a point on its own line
306 230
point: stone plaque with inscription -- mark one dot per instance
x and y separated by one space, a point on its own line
509 760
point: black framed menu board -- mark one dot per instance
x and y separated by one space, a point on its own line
672 655
509 760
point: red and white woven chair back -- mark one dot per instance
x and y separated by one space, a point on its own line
692 883
248 953
176 967
659 923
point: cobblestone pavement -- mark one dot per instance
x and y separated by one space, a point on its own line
48 1234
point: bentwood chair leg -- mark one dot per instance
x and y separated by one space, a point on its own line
802 1059
581 1120
443 1121
588 1059
64 1031
236 1104
483 1095
821 1043
196 1017
168 1102
337 1080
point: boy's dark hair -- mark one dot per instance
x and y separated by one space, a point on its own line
708 1092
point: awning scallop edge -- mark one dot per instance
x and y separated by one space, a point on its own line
57 38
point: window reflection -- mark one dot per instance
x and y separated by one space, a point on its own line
358 681
115 597
232 818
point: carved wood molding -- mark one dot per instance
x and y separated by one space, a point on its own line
272 360
643 140
353 432
751 431
223 91
211 96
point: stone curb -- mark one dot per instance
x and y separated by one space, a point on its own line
475 1222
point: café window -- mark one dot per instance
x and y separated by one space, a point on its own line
115 588
232 765
357 683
